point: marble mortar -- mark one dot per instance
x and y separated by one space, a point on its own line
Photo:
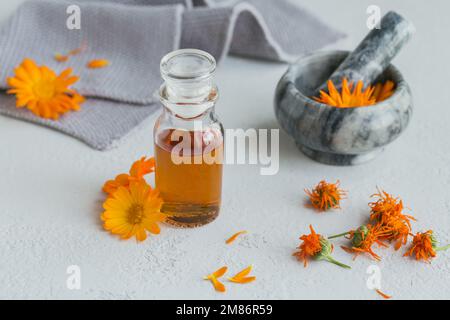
338 136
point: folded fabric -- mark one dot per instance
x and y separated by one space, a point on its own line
134 36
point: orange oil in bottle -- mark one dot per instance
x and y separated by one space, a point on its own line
189 178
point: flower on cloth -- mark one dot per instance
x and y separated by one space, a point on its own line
137 172
133 211
354 96
425 246
316 247
42 91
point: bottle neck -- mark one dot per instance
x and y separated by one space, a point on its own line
188 90
187 103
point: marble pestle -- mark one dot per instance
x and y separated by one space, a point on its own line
374 54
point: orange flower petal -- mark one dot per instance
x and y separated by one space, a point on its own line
234 237
243 273
383 294
242 280
220 272
219 286
98 63
61 58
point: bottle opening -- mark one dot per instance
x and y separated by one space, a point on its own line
188 89
187 64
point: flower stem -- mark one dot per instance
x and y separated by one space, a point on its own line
330 259
443 248
339 235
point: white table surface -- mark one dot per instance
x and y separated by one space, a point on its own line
50 194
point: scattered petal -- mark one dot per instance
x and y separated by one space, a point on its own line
241 277
61 58
385 296
98 63
234 237
213 277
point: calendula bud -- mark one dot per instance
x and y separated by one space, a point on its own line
325 253
434 241
359 236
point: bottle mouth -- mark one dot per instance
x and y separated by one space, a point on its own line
187 65
188 89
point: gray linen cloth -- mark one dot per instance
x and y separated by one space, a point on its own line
134 36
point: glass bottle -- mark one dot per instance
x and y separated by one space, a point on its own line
189 140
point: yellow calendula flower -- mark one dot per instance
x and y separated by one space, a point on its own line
42 91
133 211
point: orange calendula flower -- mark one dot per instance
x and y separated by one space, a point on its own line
364 238
354 96
42 91
326 196
213 277
98 63
388 212
425 246
314 246
234 237
242 276
133 211
137 172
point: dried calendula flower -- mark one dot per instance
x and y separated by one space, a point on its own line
213 277
234 237
425 246
364 238
388 212
42 91
137 172
326 195
242 277
354 96
98 63
315 246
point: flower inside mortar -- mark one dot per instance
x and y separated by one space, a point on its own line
355 96
43 92
133 211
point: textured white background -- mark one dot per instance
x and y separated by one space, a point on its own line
50 198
